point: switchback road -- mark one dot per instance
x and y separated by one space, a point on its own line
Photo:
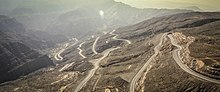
176 56
80 50
140 72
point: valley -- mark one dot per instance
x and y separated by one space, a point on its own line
108 46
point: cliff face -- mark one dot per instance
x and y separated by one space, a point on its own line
17 56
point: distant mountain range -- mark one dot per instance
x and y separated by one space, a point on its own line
116 14
194 8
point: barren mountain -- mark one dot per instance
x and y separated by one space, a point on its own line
19 50
171 53
35 33
85 20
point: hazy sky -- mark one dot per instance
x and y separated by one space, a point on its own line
213 5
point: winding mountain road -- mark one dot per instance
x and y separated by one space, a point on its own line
97 61
116 35
140 72
94 45
96 66
80 50
58 56
176 56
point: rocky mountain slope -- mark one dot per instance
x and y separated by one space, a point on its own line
171 53
18 50
18 41
87 20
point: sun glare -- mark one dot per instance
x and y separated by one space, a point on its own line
101 12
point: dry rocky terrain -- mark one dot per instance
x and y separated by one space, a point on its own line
197 33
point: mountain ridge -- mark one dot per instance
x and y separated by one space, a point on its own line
163 72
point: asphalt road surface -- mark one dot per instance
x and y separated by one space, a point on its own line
140 72
176 56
